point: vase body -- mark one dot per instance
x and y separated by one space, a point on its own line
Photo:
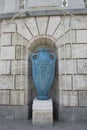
43 71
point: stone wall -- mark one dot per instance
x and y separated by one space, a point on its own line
63 35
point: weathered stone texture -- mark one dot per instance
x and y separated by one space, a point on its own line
82 66
53 23
80 23
70 98
68 37
20 81
8 27
67 67
79 50
20 52
80 82
64 51
17 97
18 67
64 27
22 30
42 112
42 24
8 52
4 97
65 82
83 98
31 24
6 39
17 39
5 67
6 82
81 36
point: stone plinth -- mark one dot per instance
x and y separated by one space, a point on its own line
42 111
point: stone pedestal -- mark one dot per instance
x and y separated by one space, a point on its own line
42 112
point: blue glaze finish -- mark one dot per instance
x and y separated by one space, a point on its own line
43 71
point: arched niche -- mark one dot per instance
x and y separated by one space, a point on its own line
34 44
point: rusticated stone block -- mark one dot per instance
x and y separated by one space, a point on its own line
6 39
67 66
42 24
80 82
64 51
81 36
69 98
17 39
64 27
79 50
4 97
82 66
17 97
53 23
6 82
18 67
8 52
65 82
67 38
20 82
31 24
8 27
83 98
20 52
22 30
5 67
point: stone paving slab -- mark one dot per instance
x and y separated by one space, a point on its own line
27 125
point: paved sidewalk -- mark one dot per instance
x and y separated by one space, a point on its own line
27 125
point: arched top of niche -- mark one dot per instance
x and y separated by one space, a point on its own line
42 42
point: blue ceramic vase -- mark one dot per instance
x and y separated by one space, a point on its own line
43 71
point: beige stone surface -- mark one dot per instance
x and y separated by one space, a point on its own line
17 97
65 82
6 39
20 52
42 24
69 37
23 30
8 27
8 52
53 24
42 112
4 97
5 67
6 82
64 27
67 67
79 22
20 81
18 67
70 98
79 51
17 39
83 98
81 36
64 51
31 24
80 82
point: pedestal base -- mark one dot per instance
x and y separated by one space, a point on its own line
42 112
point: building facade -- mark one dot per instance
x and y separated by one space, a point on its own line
60 26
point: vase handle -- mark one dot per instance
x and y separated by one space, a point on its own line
52 56
34 56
